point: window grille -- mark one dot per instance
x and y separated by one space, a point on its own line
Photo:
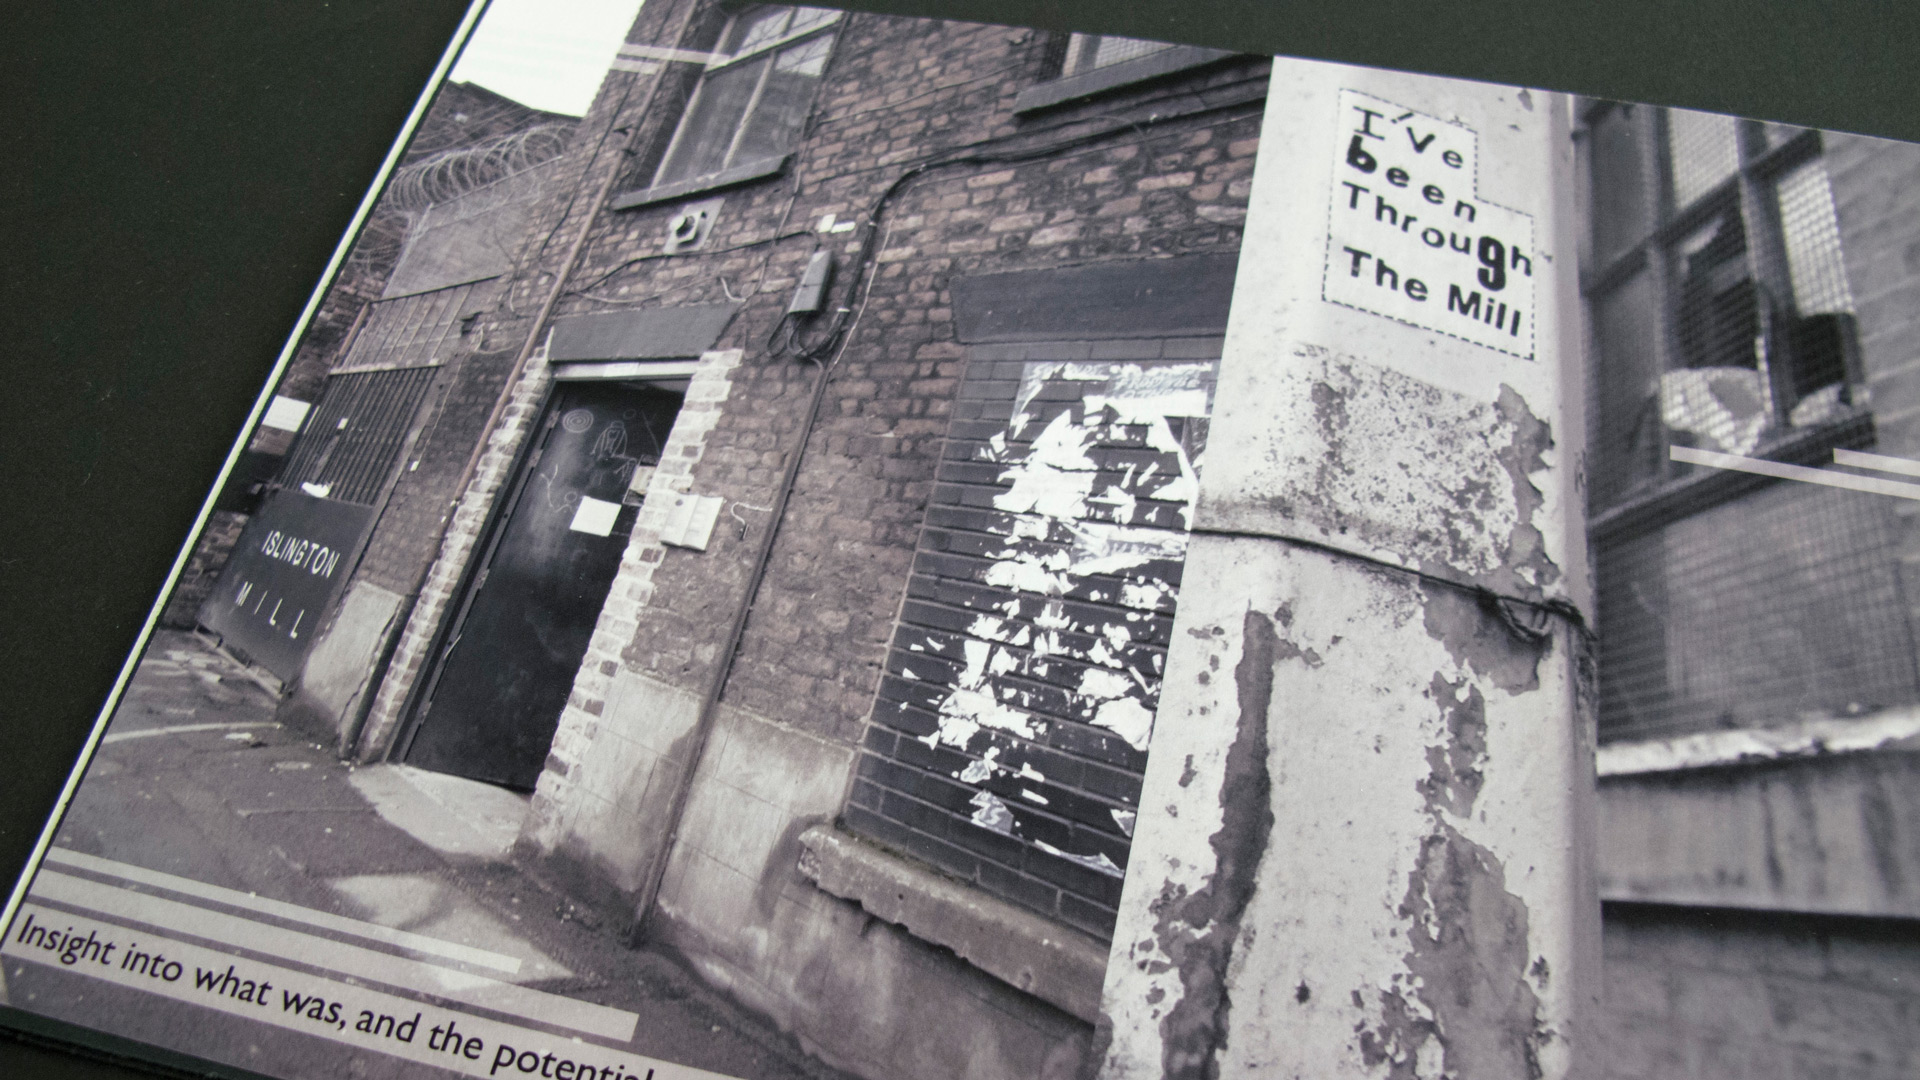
1722 320
421 330
755 96
1719 298
351 442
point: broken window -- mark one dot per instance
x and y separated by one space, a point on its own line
1740 330
754 97
1719 306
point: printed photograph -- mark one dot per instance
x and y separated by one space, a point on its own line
821 544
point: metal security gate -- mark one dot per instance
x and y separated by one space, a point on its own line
490 707
293 559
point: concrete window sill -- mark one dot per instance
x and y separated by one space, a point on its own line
1059 966
739 174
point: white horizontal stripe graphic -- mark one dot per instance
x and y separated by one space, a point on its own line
1784 471
182 729
336 956
1903 466
495 1038
282 910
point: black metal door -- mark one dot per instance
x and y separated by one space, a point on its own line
491 706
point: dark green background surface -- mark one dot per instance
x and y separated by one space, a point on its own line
175 175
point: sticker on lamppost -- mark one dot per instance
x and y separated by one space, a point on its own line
1408 236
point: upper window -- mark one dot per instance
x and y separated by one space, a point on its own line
753 99
1724 232
1093 64
1086 52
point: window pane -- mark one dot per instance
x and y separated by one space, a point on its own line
1704 150
707 131
1622 214
1811 231
1820 332
1716 318
1780 134
782 110
1753 613
1626 444
1086 52
755 28
806 18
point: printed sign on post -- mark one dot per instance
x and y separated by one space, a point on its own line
1408 236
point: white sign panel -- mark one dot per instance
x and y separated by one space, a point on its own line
285 413
594 516
1408 236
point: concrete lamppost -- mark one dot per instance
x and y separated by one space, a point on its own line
1364 844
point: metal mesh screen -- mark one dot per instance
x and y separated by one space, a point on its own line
1810 230
355 433
1621 212
410 331
1627 447
1780 603
1729 329
1704 150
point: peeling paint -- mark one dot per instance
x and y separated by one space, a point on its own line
1454 775
1197 930
1098 861
1522 456
1476 637
1469 1002
1407 473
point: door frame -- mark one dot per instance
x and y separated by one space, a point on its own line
493 530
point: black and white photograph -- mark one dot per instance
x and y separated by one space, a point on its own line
801 543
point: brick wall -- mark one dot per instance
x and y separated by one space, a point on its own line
423 543
896 90
1731 995
203 569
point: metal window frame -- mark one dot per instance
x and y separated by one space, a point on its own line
1749 191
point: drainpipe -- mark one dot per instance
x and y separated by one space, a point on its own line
589 211
1364 844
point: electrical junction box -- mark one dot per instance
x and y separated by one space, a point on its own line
690 520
